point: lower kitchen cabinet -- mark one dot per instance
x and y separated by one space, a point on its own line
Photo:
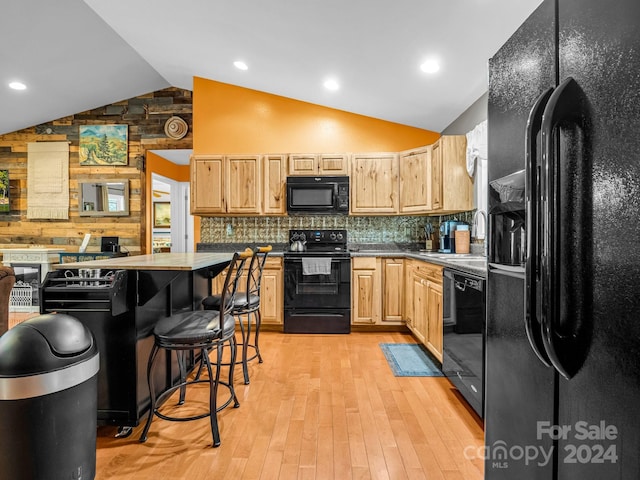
365 290
377 297
271 290
434 319
418 286
393 294
423 304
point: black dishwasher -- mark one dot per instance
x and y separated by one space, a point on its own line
464 335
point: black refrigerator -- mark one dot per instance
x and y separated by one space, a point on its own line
563 301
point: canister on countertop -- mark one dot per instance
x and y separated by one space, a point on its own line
462 236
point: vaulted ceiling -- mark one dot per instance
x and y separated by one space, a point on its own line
74 55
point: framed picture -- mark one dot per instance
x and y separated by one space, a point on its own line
161 215
4 191
103 145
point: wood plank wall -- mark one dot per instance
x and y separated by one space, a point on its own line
145 115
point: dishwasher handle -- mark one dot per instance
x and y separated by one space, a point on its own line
462 280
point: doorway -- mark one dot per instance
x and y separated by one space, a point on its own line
174 233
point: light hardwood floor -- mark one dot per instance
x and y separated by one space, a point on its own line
319 407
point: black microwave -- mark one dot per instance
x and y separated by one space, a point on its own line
318 195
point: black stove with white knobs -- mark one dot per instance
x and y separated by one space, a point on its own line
317 282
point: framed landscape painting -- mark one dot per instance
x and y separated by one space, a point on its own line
103 145
161 215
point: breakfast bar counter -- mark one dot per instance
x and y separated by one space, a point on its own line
156 261
121 303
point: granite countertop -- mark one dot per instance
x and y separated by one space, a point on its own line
277 249
470 263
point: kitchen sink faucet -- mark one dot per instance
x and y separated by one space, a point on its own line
474 228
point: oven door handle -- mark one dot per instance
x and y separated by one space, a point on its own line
299 260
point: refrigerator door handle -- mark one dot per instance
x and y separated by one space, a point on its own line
532 323
564 318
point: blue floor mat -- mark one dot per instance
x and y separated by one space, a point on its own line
409 360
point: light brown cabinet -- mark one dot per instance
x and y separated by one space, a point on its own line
365 290
274 168
243 184
374 183
415 181
451 186
271 290
434 319
420 306
207 184
318 164
393 298
376 296
423 304
431 179
408 292
238 184
226 184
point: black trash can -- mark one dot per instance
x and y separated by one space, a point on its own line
48 400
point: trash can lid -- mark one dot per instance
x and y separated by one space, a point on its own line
45 343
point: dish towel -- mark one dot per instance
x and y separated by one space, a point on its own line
48 180
476 146
477 153
316 266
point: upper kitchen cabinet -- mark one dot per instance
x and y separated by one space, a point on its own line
226 184
274 171
415 181
374 183
207 173
318 164
451 186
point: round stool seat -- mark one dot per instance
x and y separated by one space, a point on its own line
193 328
240 302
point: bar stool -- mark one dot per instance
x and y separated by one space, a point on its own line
198 331
245 305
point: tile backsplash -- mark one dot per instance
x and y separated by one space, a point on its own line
374 229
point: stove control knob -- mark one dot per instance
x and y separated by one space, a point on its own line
340 236
294 236
332 236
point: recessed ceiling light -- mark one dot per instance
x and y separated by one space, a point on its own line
17 86
430 66
331 84
240 65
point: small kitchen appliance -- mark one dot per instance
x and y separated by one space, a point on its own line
447 236
320 195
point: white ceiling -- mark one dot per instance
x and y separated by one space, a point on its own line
80 54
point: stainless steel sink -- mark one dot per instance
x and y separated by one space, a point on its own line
469 260
453 256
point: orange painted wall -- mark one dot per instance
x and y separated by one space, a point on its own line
179 173
228 119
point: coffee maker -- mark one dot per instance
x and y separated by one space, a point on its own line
447 236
